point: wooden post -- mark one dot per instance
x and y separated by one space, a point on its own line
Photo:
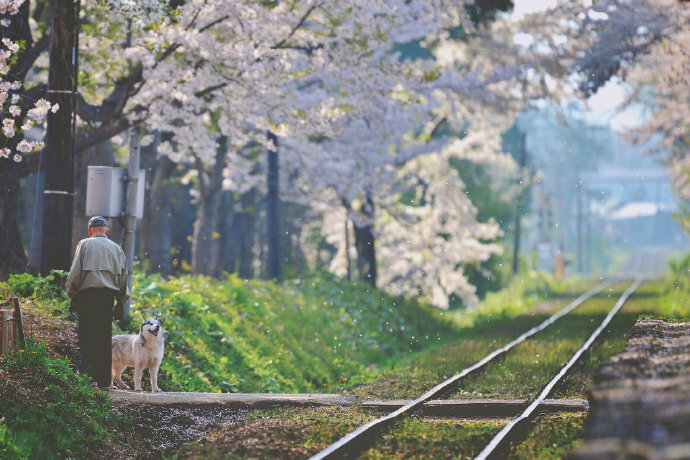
6 331
21 341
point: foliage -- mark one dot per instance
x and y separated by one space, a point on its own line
674 303
522 292
490 276
47 288
428 438
47 410
236 335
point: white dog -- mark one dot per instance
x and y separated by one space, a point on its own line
140 351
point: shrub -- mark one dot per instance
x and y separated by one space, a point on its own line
47 288
23 284
674 304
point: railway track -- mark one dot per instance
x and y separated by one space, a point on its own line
353 443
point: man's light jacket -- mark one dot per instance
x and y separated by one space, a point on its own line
98 263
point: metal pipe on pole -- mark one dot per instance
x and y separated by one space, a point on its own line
131 209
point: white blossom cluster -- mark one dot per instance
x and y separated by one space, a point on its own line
666 68
9 102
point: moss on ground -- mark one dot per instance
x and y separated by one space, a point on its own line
418 438
552 437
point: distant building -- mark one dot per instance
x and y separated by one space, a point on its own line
636 207
643 223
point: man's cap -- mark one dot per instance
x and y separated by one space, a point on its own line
97 221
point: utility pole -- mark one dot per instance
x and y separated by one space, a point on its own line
520 203
588 234
131 209
578 227
60 152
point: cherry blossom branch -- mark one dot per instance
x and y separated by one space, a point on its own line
296 27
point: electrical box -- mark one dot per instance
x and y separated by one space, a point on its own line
106 192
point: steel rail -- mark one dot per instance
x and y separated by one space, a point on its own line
355 440
501 435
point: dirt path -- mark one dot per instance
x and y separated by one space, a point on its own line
640 403
59 334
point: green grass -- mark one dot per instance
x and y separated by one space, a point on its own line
523 292
554 436
434 438
530 365
675 302
233 335
47 411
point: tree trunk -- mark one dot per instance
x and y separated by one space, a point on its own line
12 257
227 250
365 245
207 215
59 155
159 238
272 211
214 268
147 162
246 234
347 249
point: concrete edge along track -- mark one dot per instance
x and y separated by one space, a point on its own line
356 441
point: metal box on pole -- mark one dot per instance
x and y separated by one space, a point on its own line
106 191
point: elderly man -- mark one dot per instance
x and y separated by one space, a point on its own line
98 276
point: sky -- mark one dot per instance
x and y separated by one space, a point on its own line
523 7
603 108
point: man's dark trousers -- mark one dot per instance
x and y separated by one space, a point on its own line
95 309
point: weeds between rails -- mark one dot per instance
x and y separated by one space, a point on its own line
366 434
500 442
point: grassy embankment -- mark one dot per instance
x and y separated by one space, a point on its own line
251 336
233 335
229 335
224 335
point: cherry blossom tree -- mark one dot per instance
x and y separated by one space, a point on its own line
645 43
380 157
